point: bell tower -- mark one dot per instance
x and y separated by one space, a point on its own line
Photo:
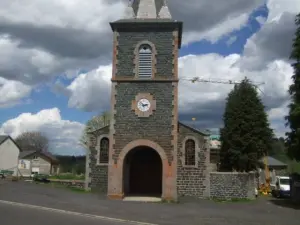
144 97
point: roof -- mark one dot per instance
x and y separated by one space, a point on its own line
26 153
149 14
46 154
194 129
147 9
3 138
273 162
92 131
179 123
215 137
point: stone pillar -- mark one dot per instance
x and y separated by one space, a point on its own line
87 165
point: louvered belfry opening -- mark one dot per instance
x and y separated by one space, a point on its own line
145 62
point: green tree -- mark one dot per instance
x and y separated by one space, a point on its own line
293 118
95 123
246 135
278 150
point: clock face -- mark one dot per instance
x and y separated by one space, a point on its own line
143 105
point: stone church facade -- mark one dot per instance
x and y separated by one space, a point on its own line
145 150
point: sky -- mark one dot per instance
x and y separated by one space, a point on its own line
55 61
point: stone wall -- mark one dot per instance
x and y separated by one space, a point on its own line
69 183
193 181
163 42
295 187
232 185
157 128
98 174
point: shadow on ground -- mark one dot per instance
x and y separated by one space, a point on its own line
286 203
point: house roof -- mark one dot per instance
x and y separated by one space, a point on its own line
46 154
273 162
215 137
26 153
3 138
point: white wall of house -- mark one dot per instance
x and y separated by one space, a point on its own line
39 164
9 154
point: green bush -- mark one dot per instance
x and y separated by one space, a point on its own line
68 176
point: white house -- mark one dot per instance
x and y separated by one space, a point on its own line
9 154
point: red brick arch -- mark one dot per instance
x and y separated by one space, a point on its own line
116 182
147 143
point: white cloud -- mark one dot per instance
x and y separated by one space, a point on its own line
261 20
91 91
213 34
277 118
12 92
47 38
63 134
211 20
205 100
231 40
88 15
274 40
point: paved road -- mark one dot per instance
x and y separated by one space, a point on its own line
17 215
189 211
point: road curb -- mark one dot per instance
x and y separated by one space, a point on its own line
76 213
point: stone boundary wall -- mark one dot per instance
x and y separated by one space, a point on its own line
295 187
232 185
69 183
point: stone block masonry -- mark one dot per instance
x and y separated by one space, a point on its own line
163 43
232 185
193 181
97 175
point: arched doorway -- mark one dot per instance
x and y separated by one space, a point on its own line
142 172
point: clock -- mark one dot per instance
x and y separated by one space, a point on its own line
143 105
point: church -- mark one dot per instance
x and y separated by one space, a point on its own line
146 150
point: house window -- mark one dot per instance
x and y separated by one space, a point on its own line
190 153
104 150
145 61
35 157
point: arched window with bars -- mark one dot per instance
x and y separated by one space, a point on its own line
104 150
145 62
190 152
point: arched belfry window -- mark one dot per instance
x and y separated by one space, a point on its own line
145 62
190 153
104 150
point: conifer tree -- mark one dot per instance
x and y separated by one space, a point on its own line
246 136
293 118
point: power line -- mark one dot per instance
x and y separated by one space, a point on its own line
220 81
